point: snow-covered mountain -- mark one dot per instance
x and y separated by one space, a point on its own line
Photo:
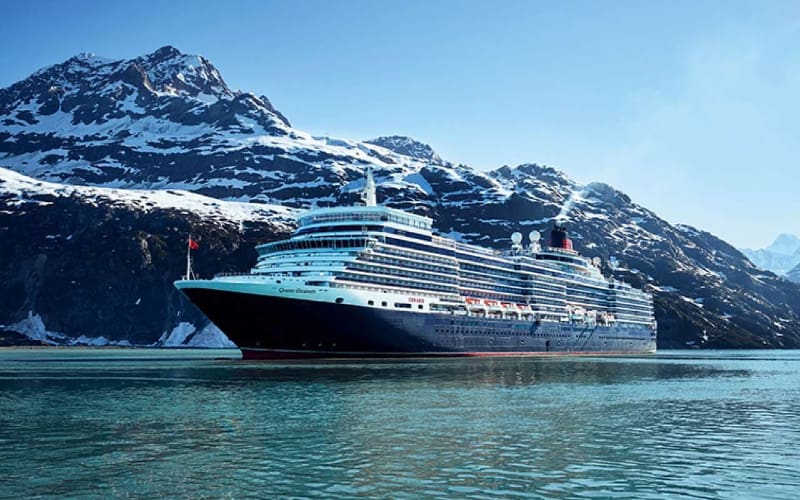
794 274
780 257
142 132
168 120
785 244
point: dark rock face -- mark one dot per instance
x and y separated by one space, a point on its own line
9 338
92 266
83 257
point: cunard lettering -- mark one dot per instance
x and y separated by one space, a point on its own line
296 290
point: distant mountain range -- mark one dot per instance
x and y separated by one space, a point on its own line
794 274
781 257
108 165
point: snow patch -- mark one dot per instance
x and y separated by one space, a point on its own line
93 341
576 196
211 337
177 336
185 334
418 180
25 189
697 302
33 328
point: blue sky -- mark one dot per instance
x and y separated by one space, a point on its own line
690 107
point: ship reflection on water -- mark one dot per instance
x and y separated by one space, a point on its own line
477 372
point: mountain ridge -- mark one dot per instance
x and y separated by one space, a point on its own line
780 257
794 274
409 147
154 134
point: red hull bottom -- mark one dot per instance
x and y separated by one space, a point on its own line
285 354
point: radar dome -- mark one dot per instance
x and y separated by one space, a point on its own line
596 261
534 236
516 238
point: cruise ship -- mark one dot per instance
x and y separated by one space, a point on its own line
372 281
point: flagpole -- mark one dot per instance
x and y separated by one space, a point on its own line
189 258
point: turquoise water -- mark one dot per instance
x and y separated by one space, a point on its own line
154 423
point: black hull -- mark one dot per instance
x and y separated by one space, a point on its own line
267 327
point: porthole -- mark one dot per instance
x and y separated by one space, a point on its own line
339 300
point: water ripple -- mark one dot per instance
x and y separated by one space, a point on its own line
688 425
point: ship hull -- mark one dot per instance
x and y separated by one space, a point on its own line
274 327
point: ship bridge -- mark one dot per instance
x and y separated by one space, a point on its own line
364 218
358 218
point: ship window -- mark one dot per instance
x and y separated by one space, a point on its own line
371 302
402 305
339 300
419 306
383 303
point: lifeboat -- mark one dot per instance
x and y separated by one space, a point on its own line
474 305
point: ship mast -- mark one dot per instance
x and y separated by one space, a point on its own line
189 259
368 195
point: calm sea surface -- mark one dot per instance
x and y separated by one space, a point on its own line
203 424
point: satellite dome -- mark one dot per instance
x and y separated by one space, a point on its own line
534 236
516 238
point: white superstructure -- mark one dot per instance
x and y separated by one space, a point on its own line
375 256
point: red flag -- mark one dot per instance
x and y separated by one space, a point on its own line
193 245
